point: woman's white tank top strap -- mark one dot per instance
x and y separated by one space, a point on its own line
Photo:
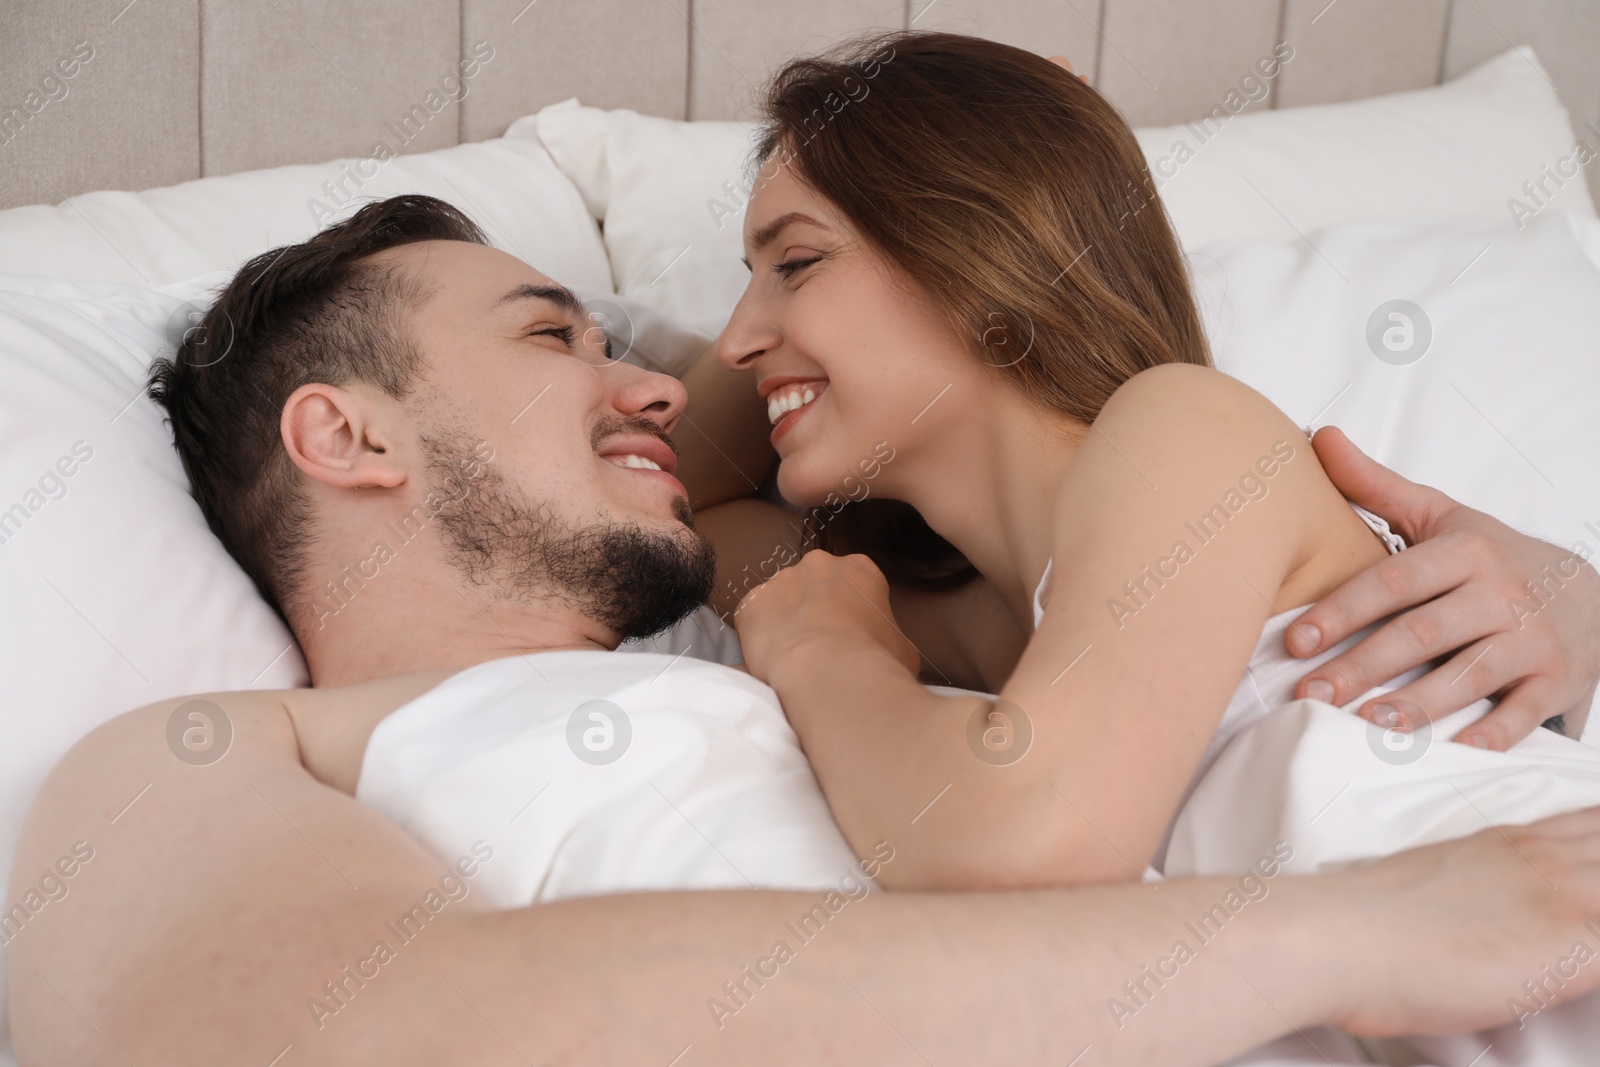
1380 526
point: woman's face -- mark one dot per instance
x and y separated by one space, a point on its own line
852 359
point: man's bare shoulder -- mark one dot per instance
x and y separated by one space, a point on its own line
318 731
200 810
195 730
111 769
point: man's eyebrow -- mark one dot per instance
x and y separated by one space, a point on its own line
559 295
768 233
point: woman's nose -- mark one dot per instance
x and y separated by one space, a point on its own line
746 336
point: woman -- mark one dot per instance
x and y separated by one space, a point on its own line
957 255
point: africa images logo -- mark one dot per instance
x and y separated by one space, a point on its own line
1399 332
199 732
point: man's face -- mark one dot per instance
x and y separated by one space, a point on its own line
579 502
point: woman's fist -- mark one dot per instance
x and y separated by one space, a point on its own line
822 599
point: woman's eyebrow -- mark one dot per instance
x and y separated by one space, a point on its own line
768 233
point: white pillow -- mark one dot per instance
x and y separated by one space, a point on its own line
163 236
116 593
669 194
1459 149
1494 399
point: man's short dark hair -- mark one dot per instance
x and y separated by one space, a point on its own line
318 311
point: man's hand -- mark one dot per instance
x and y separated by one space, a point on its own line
1063 61
1521 616
1505 898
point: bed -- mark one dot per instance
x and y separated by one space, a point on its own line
1328 166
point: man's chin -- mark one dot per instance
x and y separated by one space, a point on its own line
664 584
635 575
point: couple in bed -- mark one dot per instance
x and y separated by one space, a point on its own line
964 295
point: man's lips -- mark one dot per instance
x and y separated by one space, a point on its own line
653 449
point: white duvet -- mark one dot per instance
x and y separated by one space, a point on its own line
1329 790
591 772
584 773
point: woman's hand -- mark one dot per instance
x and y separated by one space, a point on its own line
822 635
820 600
1465 582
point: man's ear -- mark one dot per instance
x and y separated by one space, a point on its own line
335 436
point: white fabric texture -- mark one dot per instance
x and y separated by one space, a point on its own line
116 592
1497 411
162 236
671 194
708 789
712 791
1339 790
668 195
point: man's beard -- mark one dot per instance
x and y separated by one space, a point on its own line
635 582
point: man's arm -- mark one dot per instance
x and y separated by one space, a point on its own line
223 901
1519 618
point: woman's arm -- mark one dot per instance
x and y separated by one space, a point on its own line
724 453
1193 512
721 437
754 540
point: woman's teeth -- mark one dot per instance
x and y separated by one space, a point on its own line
630 460
787 399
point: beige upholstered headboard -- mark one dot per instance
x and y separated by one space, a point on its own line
162 91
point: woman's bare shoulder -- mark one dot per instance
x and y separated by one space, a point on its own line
1199 406
1194 442
1174 436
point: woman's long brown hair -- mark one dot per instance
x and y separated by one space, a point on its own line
1011 193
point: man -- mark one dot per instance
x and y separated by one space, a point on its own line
375 370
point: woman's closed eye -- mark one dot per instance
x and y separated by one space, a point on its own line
790 267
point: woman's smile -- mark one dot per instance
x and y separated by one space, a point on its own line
788 398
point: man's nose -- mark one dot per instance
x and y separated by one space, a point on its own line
658 397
